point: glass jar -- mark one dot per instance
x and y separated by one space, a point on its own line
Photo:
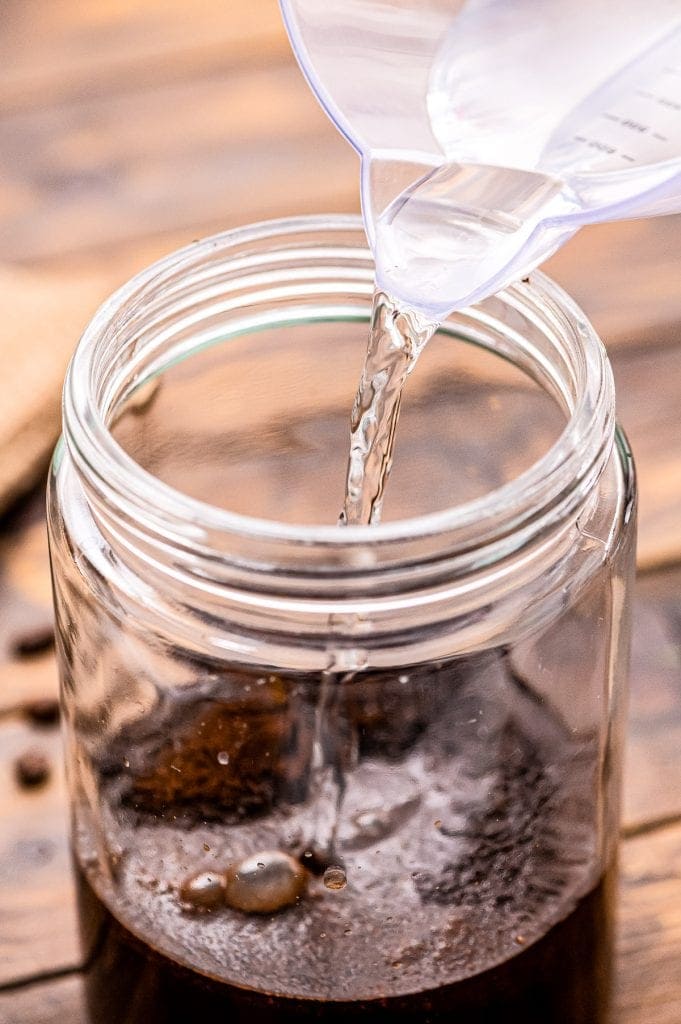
322 771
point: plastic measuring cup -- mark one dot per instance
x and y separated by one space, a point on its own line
491 130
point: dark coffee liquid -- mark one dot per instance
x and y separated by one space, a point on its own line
561 979
466 832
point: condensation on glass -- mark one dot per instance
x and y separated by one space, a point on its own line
318 770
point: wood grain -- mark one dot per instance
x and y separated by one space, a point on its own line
45 1003
652 788
648 382
648 978
626 278
37 906
25 604
100 175
240 145
50 52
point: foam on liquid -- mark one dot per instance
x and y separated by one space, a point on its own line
453 841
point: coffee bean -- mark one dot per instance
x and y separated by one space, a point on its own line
43 712
32 641
265 882
204 891
32 769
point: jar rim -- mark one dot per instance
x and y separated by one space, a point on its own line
576 459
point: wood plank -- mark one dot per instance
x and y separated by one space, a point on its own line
648 382
648 976
37 903
652 783
45 1003
52 51
626 278
25 605
115 168
98 171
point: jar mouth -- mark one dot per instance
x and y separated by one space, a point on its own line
480 531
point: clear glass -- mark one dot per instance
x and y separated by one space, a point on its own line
318 772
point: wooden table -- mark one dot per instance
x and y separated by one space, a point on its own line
128 127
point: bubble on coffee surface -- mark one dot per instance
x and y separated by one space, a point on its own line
335 877
223 758
265 882
204 891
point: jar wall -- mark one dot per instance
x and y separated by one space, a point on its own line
465 786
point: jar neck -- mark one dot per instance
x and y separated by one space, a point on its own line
310 268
